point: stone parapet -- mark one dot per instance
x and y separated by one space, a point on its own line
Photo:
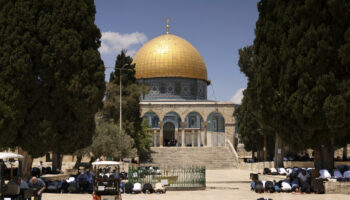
334 187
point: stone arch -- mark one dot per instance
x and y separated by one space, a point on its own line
194 120
173 117
152 119
215 122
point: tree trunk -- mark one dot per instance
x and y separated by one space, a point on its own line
259 155
56 162
265 148
26 164
77 163
324 157
253 152
278 151
345 152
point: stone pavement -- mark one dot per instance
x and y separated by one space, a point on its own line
221 184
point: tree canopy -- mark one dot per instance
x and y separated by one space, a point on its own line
251 133
51 75
131 92
299 82
110 142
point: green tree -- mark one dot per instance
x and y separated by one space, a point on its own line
315 80
51 75
110 142
248 129
251 133
131 92
300 85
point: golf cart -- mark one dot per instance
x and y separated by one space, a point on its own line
9 189
106 180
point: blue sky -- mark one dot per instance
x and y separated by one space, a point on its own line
216 28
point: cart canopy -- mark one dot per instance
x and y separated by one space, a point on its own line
8 155
106 163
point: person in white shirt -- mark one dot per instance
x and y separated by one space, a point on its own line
337 174
347 174
325 173
286 187
137 188
282 171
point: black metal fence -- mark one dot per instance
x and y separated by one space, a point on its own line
185 178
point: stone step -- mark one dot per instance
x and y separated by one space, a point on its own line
211 157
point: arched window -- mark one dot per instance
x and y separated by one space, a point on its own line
194 120
152 119
173 117
216 122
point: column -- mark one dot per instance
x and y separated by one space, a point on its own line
183 124
205 134
192 134
154 138
161 133
199 138
176 134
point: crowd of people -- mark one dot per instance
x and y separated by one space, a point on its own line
299 179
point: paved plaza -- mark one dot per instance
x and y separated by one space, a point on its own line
221 184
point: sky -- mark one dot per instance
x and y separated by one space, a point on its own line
216 28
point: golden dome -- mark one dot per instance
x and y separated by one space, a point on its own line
169 56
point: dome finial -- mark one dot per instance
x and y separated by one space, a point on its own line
167 25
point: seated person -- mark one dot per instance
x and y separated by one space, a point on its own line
286 187
337 174
269 186
115 174
325 173
295 184
277 185
347 174
282 171
274 171
89 176
304 180
137 188
259 187
83 182
39 185
289 171
159 188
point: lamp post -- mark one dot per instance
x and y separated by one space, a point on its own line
120 93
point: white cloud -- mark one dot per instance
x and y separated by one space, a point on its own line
114 42
238 96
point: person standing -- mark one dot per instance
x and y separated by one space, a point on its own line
39 185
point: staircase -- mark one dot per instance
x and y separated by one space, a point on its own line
211 157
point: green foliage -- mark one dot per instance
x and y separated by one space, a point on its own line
315 79
131 92
248 129
298 76
251 133
110 142
51 75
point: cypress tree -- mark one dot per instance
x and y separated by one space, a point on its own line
300 86
51 75
251 133
315 78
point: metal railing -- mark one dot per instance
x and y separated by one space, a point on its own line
185 178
